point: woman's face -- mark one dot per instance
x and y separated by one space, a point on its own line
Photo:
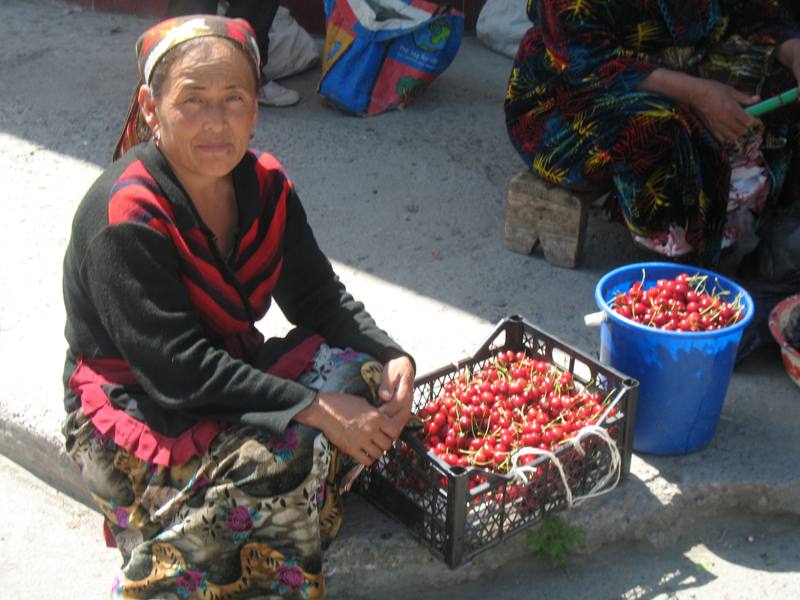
205 112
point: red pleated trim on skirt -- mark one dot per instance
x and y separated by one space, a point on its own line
150 446
135 436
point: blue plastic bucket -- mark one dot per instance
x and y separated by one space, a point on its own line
683 377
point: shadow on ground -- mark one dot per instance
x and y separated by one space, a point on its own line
729 555
414 197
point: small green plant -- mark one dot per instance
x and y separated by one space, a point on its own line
769 559
554 540
703 566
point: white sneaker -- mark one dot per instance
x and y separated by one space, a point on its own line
274 94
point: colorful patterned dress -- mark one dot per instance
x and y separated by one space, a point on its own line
247 518
575 117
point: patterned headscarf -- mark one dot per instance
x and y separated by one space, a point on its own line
157 41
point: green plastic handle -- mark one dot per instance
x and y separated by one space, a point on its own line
756 110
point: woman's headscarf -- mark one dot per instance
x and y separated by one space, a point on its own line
157 41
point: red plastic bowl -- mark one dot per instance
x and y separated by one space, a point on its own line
778 321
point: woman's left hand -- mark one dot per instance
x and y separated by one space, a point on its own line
789 56
397 389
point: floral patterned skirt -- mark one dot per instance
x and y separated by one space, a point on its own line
249 519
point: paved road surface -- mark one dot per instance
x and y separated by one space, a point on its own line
51 547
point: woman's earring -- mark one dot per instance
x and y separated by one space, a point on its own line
252 134
157 137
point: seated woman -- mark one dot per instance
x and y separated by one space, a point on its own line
646 99
211 452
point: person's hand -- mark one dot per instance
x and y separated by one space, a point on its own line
719 107
353 425
397 390
789 56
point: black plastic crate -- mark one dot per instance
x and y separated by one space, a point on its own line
456 521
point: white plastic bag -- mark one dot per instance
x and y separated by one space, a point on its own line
291 49
501 25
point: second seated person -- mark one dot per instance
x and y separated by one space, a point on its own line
646 99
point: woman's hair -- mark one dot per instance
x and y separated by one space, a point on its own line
162 67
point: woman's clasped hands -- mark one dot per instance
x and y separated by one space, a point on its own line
359 429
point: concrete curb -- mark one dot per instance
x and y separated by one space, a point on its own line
44 457
653 511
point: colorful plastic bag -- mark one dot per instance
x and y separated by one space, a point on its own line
379 54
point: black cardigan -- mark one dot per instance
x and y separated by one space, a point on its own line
144 284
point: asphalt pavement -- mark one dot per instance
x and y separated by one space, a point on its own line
51 547
410 207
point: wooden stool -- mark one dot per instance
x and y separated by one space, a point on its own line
538 211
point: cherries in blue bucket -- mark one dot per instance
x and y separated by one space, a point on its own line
687 303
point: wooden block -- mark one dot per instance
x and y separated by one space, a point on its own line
555 217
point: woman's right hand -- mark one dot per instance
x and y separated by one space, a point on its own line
719 107
353 425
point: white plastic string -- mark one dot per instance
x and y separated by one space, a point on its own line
521 472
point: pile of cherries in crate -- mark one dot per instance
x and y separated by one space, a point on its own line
483 416
681 304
